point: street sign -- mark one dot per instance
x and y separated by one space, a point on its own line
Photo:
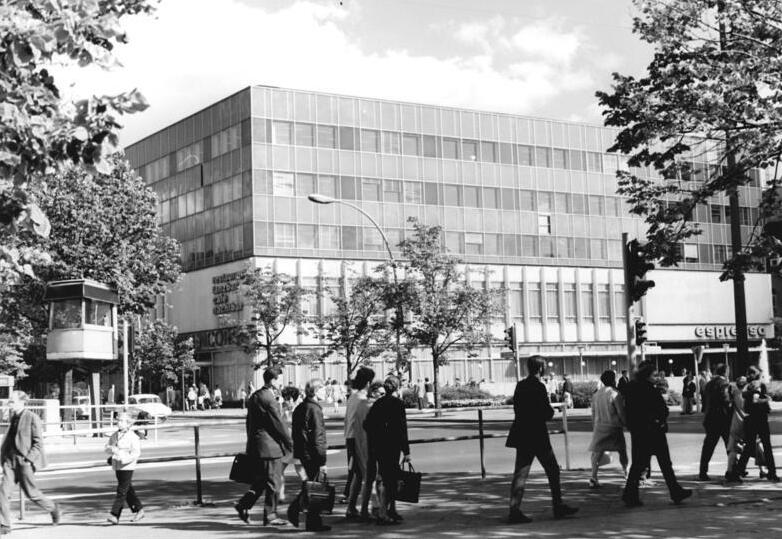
653 349
507 355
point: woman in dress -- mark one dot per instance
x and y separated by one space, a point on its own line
608 420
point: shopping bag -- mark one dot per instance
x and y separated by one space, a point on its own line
605 459
318 495
408 485
241 469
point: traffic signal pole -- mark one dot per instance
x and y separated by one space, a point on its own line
516 353
629 321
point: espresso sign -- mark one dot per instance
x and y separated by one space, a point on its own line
728 332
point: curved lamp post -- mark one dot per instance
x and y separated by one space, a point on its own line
323 199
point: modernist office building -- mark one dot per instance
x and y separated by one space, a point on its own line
530 200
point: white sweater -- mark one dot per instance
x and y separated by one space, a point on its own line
125 448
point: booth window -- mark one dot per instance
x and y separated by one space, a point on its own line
66 314
97 313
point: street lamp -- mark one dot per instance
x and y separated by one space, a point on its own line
324 199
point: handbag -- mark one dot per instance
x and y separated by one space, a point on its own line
408 485
241 469
318 496
605 459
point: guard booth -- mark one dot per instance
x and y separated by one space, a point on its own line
82 333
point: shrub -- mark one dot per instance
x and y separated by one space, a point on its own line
409 399
466 403
582 393
450 393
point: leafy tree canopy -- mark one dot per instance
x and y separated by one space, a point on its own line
706 113
39 131
159 356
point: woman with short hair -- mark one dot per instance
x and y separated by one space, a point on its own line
124 447
608 420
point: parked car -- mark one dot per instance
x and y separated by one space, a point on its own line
146 407
83 403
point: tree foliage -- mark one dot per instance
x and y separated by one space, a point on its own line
357 330
104 227
445 311
712 94
39 131
159 355
275 301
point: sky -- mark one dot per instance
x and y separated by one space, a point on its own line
541 58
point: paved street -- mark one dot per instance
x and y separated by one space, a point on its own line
455 500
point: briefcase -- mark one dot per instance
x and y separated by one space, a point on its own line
318 495
408 485
242 469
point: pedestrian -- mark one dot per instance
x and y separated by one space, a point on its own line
110 395
290 396
622 382
170 396
218 397
192 397
529 436
718 411
688 392
608 421
361 466
553 389
736 436
336 395
757 407
21 455
386 426
268 442
309 446
429 393
647 416
567 391
124 448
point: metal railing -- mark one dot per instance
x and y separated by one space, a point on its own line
197 455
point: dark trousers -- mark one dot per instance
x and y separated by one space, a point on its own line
16 470
125 493
713 435
313 520
267 482
350 446
752 431
646 444
524 458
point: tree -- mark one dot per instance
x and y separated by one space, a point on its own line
159 355
104 227
357 329
701 122
446 312
39 132
275 301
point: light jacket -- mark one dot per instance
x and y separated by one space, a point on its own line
28 442
608 408
128 450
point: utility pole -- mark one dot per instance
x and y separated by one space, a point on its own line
739 297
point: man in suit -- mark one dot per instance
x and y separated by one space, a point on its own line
267 442
718 409
647 420
529 436
622 382
309 446
386 427
21 454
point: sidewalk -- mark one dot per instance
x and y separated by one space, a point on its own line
452 505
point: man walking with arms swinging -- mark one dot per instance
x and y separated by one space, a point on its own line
529 436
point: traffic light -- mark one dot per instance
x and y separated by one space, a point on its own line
640 332
510 337
636 267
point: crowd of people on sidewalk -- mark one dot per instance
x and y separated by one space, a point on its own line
283 428
286 426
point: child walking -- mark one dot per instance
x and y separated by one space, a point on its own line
124 447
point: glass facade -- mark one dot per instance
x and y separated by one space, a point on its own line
509 191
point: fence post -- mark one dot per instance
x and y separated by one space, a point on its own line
197 439
480 441
567 440
21 503
73 425
155 430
